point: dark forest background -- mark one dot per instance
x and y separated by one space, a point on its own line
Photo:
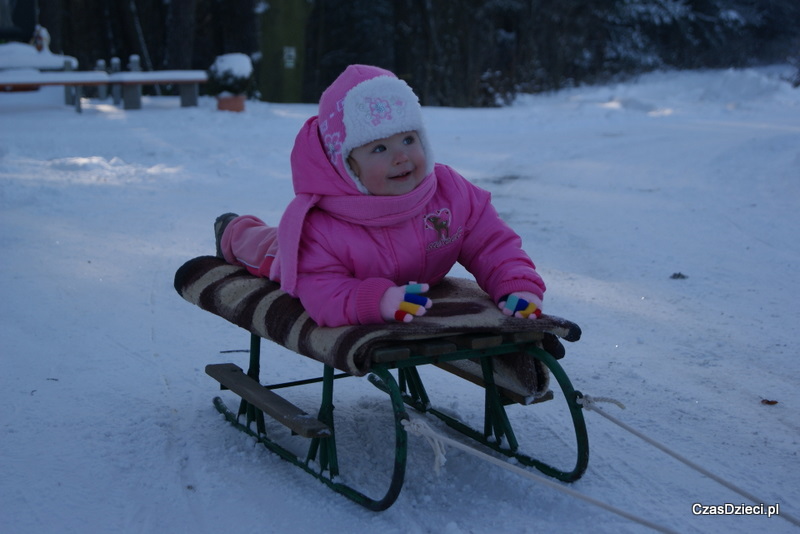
452 52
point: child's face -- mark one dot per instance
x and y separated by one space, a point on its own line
390 166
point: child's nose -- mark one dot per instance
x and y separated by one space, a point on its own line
400 156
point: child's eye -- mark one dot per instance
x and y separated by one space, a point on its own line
410 140
378 149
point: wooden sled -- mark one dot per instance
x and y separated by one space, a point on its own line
464 333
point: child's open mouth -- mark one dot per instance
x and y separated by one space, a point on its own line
400 176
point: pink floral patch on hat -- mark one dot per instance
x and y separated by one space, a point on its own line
379 110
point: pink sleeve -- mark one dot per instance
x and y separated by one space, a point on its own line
492 251
329 292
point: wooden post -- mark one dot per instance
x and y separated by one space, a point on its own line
102 90
69 91
132 93
116 89
189 94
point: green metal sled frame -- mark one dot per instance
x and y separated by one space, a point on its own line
321 460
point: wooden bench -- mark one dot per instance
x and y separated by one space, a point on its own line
29 79
131 82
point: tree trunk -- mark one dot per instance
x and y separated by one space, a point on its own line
51 17
137 25
237 19
83 37
180 30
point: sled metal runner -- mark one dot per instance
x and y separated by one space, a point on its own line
321 460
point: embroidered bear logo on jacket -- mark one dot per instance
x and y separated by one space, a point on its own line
439 221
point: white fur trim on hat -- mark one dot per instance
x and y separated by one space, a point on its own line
378 108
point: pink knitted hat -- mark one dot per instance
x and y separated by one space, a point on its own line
363 104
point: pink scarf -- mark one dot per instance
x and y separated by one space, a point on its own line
317 183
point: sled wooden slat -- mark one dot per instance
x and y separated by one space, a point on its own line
391 354
434 348
524 337
510 395
477 342
232 377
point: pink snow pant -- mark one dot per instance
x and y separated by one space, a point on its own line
248 241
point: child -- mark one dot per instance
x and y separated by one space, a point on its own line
374 221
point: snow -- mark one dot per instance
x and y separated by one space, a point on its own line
238 65
20 56
37 77
108 424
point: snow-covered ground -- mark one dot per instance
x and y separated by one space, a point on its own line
107 423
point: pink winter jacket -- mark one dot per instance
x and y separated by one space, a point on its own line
339 250
344 268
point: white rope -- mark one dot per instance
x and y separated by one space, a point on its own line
420 427
590 404
588 399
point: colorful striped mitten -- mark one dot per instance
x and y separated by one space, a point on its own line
521 304
403 303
